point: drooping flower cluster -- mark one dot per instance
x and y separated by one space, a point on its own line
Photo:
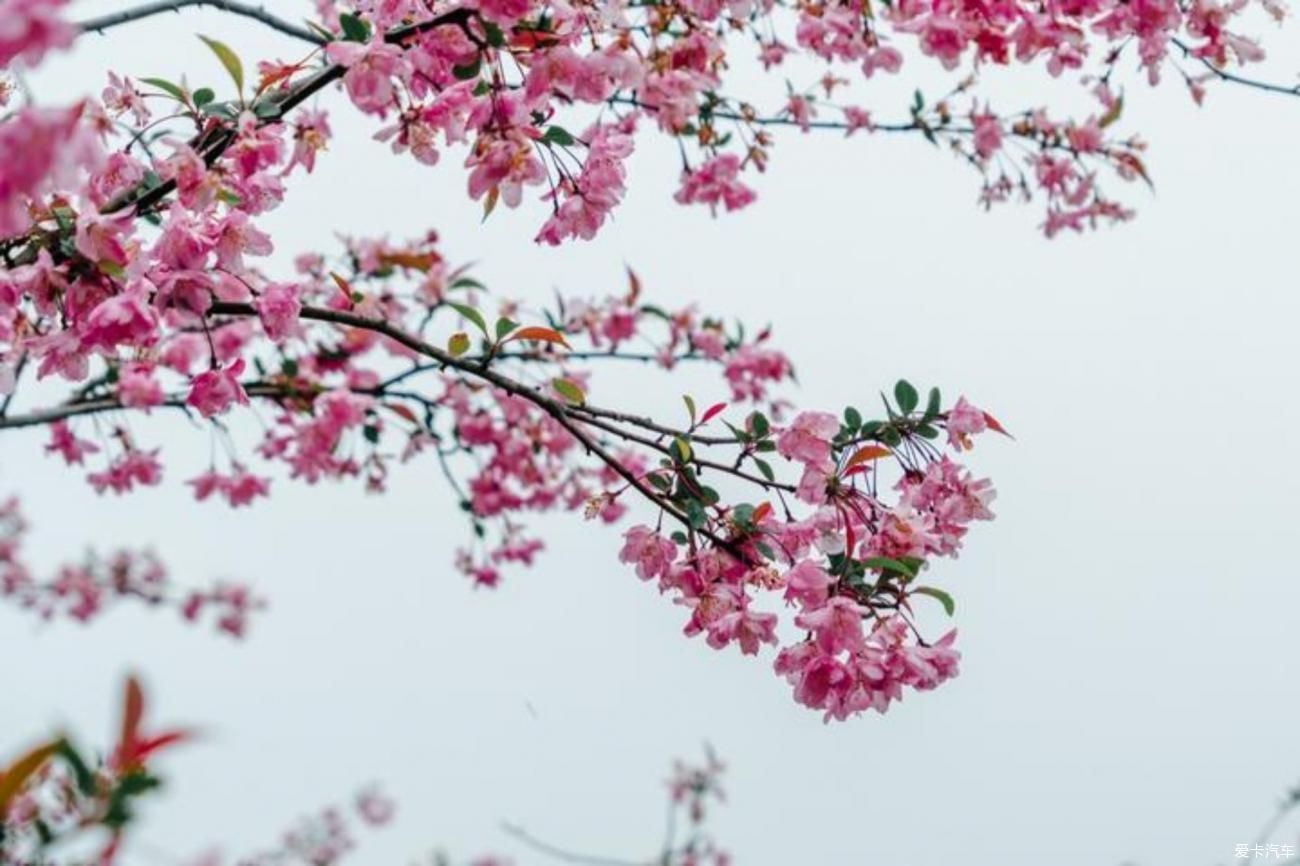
845 555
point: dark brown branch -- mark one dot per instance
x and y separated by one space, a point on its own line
561 412
247 10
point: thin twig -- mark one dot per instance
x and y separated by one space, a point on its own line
247 10
566 856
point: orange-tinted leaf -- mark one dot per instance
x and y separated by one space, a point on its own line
711 413
633 287
866 454
16 774
402 411
344 286
490 202
413 261
274 74
536 332
994 425
763 510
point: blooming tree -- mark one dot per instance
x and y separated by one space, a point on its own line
129 231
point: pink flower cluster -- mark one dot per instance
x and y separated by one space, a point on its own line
82 592
30 28
848 567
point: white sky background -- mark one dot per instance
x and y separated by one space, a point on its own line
1128 623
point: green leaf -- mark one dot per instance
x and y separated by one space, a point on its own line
690 407
695 514
681 449
933 404
852 418
468 71
229 59
505 326
354 28
493 34
884 563
942 597
466 283
203 96
558 135
906 396
765 468
918 101
167 87
471 315
569 391
758 424
458 344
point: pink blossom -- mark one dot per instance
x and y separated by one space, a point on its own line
30 28
278 306
136 386
964 420
214 391
651 553
371 70
124 319
72 449
836 625
807 583
714 182
987 137
807 439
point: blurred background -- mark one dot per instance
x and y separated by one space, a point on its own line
1128 623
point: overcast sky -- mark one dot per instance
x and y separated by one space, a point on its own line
1128 690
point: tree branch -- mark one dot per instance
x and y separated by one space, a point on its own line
145 197
564 414
562 855
1224 75
247 10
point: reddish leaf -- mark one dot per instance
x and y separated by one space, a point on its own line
711 413
146 747
763 510
132 713
994 425
850 538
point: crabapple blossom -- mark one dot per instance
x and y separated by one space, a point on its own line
137 278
